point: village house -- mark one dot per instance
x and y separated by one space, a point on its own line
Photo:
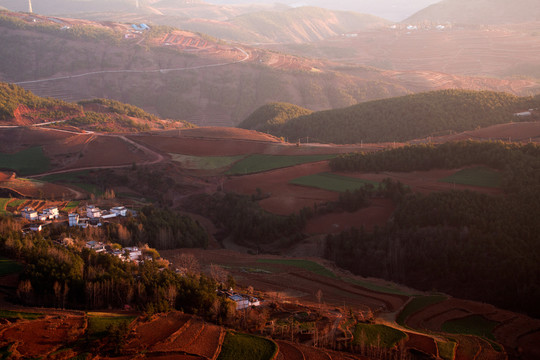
96 246
29 214
73 219
93 212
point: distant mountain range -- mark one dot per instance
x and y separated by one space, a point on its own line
477 12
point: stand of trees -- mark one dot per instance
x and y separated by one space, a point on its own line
467 244
66 277
242 218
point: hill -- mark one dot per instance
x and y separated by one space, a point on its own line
404 118
19 107
478 12
270 116
303 24
182 75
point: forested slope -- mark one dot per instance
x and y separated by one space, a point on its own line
464 243
404 118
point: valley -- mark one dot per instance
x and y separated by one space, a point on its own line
194 179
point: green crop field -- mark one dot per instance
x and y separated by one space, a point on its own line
3 204
302 264
417 304
471 325
205 162
17 202
8 266
332 182
7 314
259 163
377 334
447 350
243 346
75 178
99 323
478 176
26 162
72 205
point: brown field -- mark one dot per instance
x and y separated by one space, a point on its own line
159 329
35 189
377 214
518 131
43 336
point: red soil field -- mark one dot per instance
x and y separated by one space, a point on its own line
377 213
517 131
288 351
183 338
208 342
32 189
109 151
41 337
285 198
421 342
313 353
159 329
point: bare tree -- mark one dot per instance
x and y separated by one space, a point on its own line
218 273
189 262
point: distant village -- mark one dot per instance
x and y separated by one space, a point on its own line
95 217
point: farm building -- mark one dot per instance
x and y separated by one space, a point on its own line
52 212
119 210
93 212
96 246
29 214
73 219
241 302
135 253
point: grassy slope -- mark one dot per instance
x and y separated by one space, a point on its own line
478 176
302 264
244 346
377 334
26 162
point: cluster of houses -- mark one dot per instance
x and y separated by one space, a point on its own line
242 301
94 215
50 213
133 253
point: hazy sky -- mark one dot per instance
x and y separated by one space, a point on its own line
395 10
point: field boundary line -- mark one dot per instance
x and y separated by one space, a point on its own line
220 343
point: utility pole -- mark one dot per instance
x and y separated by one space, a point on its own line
30 6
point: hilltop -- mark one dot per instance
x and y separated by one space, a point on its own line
478 12
398 119
273 115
